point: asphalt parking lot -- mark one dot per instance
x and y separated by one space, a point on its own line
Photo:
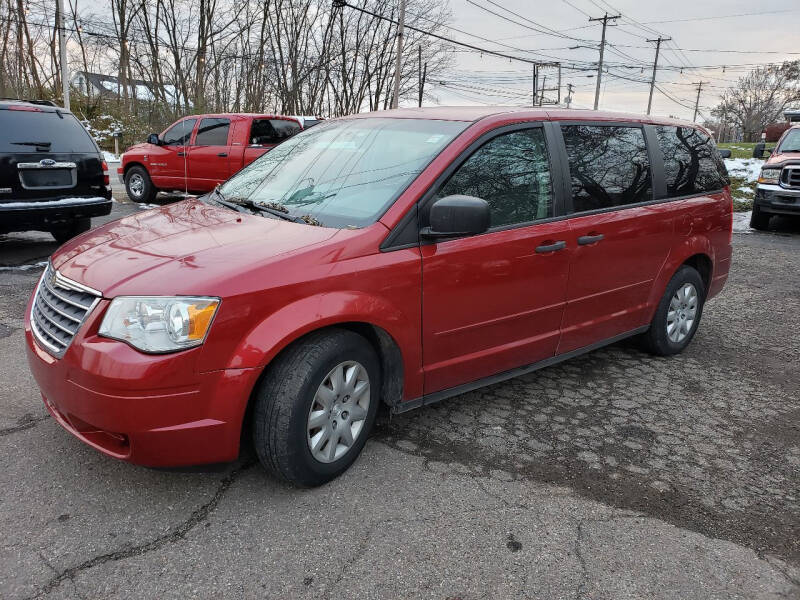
615 475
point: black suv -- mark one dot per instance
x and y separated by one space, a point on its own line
52 174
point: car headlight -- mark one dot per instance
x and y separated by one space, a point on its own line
159 324
769 176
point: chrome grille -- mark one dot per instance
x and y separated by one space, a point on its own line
59 308
791 176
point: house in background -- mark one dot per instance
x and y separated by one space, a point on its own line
108 86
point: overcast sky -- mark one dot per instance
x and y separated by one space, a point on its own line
770 35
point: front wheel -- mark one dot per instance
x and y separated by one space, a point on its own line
316 406
678 313
759 220
139 186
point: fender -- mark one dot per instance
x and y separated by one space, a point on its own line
690 246
268 338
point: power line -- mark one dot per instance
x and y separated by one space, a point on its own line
605 19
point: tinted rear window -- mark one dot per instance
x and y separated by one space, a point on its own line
272 131
64 132
692 164
608 166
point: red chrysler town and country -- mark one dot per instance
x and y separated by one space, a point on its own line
399 257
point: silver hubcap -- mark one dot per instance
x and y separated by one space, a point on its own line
682 313
338 412
136 185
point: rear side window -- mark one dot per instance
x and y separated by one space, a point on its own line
179 134
272 131
608 166
23 130
692 164
213 132
512 173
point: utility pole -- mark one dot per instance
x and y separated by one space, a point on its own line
535 83
399 59
655 66
62 48
541 92
699 85
569 94
421 74
605 19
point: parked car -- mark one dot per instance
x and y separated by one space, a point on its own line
401 257
308 121
199 152
52 175
778 188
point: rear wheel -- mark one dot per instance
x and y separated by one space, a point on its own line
64 233
139 186
678 313
759 220
316 406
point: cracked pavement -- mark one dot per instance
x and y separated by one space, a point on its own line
615 475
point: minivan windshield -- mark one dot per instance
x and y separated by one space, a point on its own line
43 131
342 173
791 143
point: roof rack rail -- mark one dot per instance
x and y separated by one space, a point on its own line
40 102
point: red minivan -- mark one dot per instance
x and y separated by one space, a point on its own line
399 257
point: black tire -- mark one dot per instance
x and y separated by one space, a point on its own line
139 186
656 339
759 220
284 399
64 233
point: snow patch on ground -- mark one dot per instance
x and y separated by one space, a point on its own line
748 168
71 201
147 206
110 157
38 265
745 190
741 222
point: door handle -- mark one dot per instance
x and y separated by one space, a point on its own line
585 240
222 154
554 247
181 153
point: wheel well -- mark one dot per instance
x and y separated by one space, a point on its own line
703 265
129 166
389 355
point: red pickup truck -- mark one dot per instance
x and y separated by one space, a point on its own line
198 152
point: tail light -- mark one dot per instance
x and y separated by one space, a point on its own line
106 178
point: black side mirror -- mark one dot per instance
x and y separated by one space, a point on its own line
725 153
457 215
153 139
758 150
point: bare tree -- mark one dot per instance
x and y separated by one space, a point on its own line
759 98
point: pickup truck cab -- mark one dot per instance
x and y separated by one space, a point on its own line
198 152
52 175
778 189
398 257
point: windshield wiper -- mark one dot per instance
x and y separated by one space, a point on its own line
220 199
273 208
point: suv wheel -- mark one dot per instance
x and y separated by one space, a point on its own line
758 219
678 313
316 407
139 186
64 233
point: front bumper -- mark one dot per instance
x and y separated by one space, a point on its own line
778 200
153 410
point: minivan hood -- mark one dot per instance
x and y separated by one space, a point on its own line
183 248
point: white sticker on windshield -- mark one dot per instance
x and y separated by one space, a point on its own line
434 139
